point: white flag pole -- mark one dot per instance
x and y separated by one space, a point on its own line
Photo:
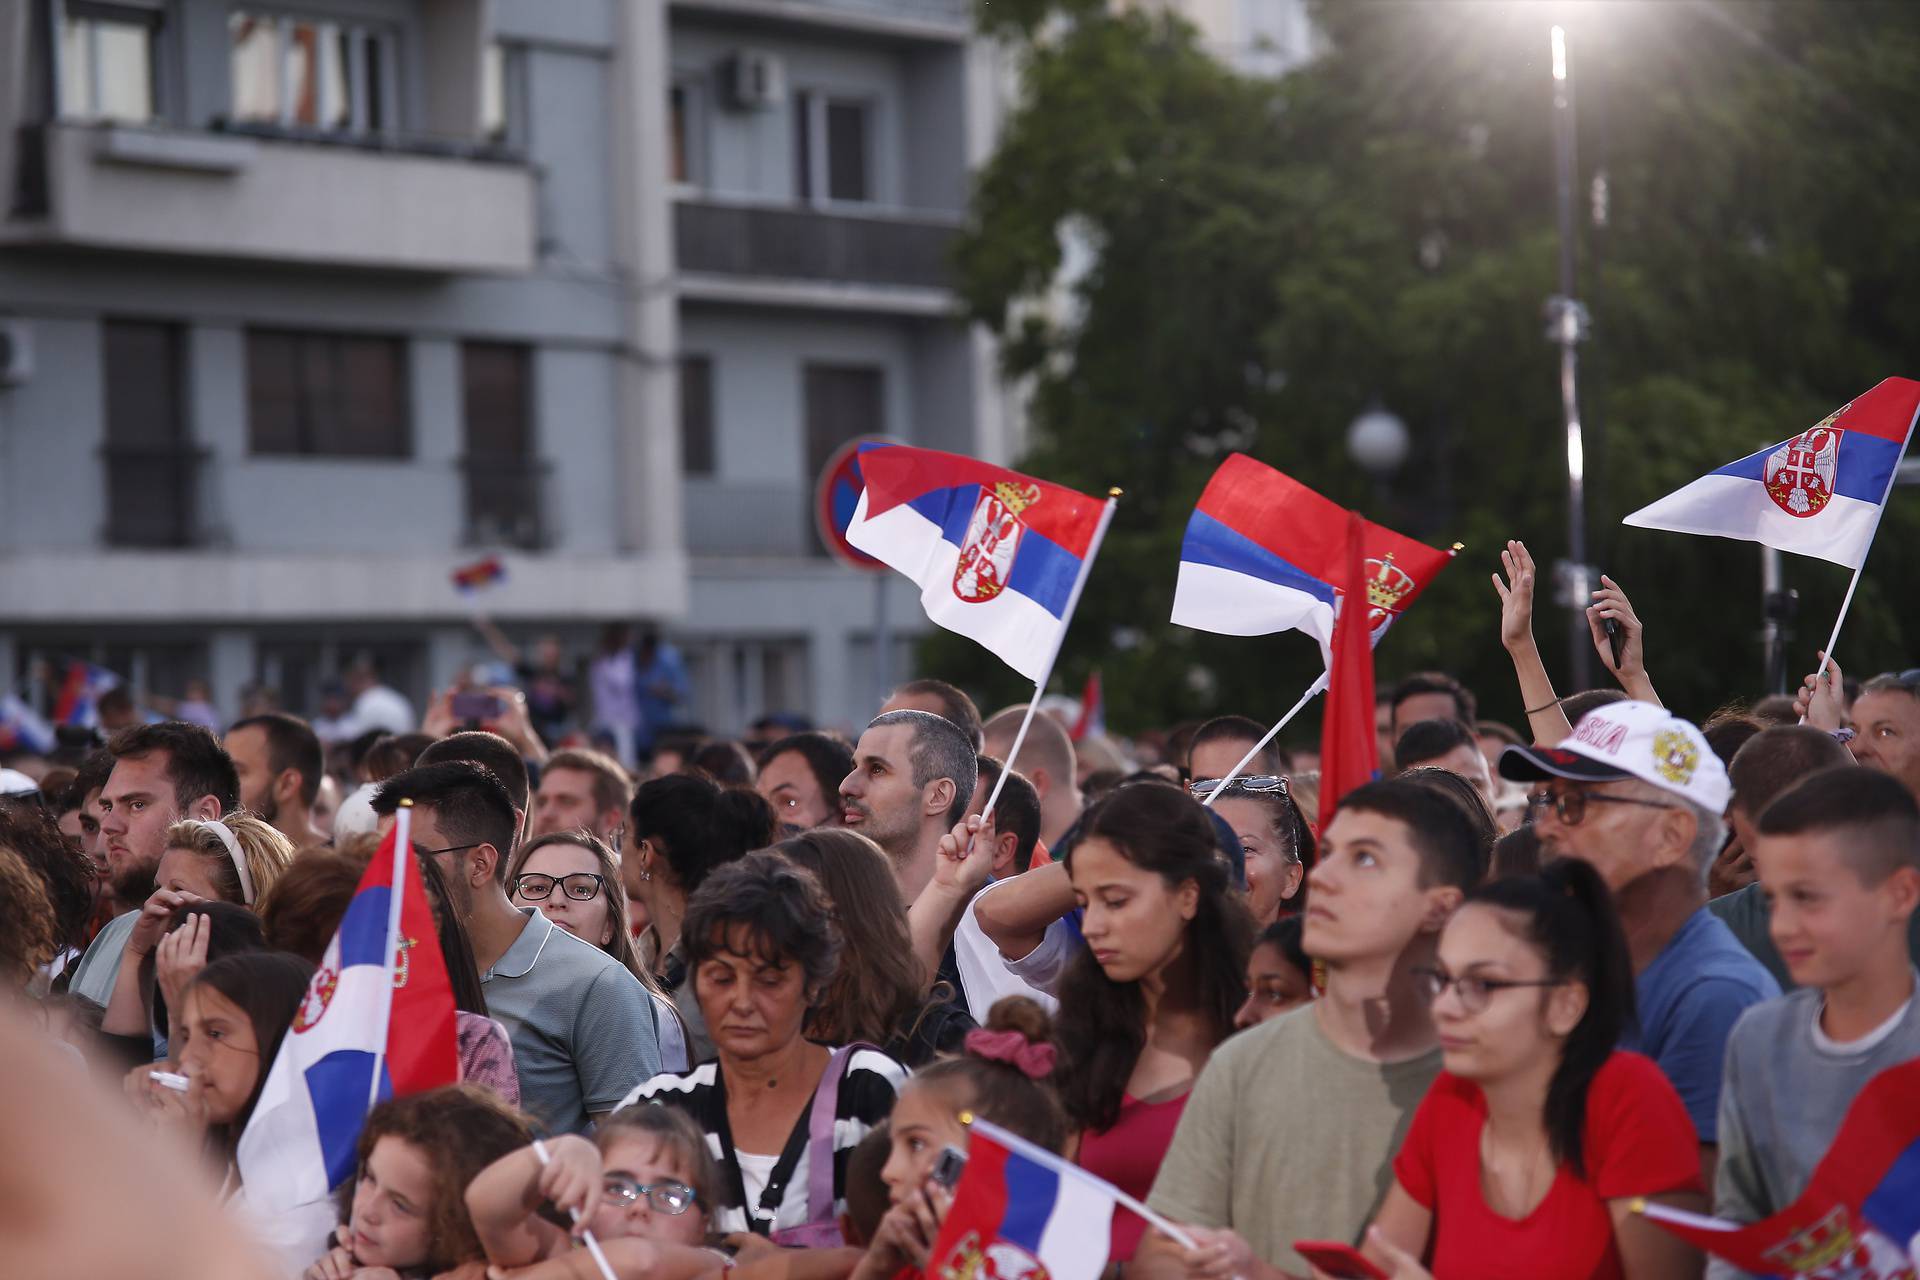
1317 687
586 1237
1846 601
1046 675
396 898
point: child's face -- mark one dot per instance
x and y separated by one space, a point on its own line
643 1160
218 1046
391 1223
1829 924
924 1121
1273 986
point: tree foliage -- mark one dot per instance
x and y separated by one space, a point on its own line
1269 257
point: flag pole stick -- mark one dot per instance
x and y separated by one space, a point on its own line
1846 601
1040 685
586 1237
1317 687
396 898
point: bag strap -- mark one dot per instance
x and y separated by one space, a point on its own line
826 1105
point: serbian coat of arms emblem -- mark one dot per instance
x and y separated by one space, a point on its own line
1799 474
992 541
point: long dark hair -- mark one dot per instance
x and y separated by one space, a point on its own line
268 987
1102 1025
698 824
1569 917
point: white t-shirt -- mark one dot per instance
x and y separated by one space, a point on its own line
987 976
755 1172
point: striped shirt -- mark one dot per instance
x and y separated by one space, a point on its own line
865 1099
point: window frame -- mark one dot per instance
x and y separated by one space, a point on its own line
334 399
151 14
704 361
370 93
692 86
813 171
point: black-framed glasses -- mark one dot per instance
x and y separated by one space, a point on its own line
581 886
452 848
1251 784
1474 991
1571 806
671 1198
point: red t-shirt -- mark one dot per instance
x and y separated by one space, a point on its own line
1128 1155
1638 1142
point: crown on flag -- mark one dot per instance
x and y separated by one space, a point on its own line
1015 498
1386 588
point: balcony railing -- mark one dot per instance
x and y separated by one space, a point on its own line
506 503
153 495
837 246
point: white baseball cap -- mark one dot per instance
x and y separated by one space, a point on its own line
1629 740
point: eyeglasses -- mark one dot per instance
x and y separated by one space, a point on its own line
418 852
581 886
1474 991
1571 806
670 1198
1253 784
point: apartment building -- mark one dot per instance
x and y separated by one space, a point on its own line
304 304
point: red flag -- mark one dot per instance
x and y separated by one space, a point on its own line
1349 752
1093 711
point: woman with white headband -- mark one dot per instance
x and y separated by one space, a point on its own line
233 860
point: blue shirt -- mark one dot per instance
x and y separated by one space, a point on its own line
1689 998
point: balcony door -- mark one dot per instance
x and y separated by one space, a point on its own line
502 472
150 462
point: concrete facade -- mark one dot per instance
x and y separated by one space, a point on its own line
508 180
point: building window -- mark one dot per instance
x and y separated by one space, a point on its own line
150 463
503 474
107 62
842 402
833 148
326 394
696 415
686 132
309 74
503 94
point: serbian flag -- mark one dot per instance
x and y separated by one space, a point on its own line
1092 720
1349 750
1020 1211
24 729
1860 1213
479 575
78 703
1263 553
377 1023
999 557
1818 494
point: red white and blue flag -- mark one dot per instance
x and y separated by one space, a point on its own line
22 728
78 703
1264 553
999 557
1818 494
1022 1213
479 575
377 1023
1092 720
1859 1218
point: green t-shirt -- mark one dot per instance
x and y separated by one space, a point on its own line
1285 1137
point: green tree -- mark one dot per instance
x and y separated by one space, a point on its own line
1271 256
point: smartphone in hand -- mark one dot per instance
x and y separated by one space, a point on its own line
947 1169
1342 1261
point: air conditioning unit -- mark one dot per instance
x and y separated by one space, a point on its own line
16 352
754 80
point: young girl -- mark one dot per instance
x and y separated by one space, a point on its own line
417 1154
1155 990
1000 1076
231 1021
1279 974
644 1185
1527 1152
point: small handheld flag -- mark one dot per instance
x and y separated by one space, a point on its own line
479 575
999 557
377 1023
22 728
1861 1206
1349 750
1092 720
78 703
1264 553
1818 494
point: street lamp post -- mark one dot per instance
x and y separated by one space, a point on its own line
1566 326
1378 441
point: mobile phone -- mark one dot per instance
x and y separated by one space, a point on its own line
1342 1261
1616 638
947 1169
476 708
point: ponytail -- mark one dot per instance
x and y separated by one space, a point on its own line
1571 920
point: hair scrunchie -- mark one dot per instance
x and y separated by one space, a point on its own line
1031 1058
225 833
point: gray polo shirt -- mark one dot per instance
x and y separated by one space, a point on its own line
582 1026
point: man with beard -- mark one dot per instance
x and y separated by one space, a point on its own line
913 774
162 773
1637 793
278 759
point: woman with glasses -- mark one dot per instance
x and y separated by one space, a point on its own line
644 1185
1275 838
407 1215
1144 1004
1530 1148
573 879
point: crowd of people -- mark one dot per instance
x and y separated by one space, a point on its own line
732 1005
